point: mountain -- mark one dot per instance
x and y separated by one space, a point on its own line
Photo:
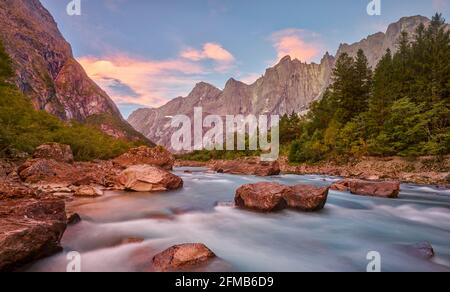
290 86
47 72
375 46
287 87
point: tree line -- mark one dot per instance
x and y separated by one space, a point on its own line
400 108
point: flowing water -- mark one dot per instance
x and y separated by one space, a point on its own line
336 239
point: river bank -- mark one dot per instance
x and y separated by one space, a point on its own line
422 170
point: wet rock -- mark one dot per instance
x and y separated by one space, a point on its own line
264 197
73 218
182 257
157 156
145 178
307 198
55 151
270 197
250 166
88 191
384 189
423 249
30 230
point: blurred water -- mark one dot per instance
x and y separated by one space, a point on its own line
335 239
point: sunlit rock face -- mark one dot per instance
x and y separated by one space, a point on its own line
288 87
375 46
47 72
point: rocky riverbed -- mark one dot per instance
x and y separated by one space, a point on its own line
42 197
422 170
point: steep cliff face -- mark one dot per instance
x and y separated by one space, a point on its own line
290 86
46 70
375 45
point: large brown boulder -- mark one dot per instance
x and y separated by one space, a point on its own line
307 198
270 197
30 230
264 197
45 170
55 151
146 178
182 257
383 189
52 172
250 166
157 156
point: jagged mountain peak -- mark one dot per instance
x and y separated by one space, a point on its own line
204 90
290 85
376 45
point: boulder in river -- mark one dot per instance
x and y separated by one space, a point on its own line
270 197
55 151
30 230
307 198
146 178
423 250
383 189
73 218
182 257
264 196
157 156
249 166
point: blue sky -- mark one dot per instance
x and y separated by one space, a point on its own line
146 52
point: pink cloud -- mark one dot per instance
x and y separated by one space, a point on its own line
297 43
151 82
211 51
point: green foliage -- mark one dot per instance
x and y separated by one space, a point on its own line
117 123
401 109
6 70
22 128
207 155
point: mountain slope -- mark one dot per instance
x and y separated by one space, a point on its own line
289 86
46 70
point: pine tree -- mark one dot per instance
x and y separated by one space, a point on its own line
382 96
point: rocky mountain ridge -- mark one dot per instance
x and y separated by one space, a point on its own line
290 86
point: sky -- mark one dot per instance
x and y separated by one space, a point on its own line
145 52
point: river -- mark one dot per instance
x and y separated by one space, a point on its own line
336 239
